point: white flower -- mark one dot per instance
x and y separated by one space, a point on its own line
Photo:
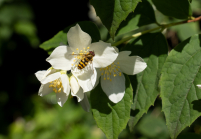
199 86
56 81
70 57
112 77
77 91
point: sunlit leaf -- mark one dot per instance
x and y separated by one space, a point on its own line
111 118
143 15
113 12
181 98
153 49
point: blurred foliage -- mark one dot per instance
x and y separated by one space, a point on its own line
50 122
16 17
25 115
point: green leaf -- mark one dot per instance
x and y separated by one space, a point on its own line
113 12
61 37
111 118
181 98
143 15
180 9
153 49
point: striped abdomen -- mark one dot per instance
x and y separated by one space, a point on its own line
85 60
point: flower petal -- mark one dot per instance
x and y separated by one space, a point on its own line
79 94
44 90
78 38
44 73
85 103
116 49
65 83
199 86
114 89
74 85
130 65
51 77
61 98
61 58
105 54
86 77
98 77
40 74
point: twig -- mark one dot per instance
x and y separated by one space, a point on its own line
163 26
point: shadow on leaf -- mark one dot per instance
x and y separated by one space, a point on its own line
134 112
102 102
196 105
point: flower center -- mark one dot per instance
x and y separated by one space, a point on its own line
56 85
79 55
111 70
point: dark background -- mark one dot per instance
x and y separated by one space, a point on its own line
19 60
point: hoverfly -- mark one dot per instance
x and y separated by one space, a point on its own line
86 58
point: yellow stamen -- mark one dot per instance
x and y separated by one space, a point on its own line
55 90
50 85
59 90
111 70
87 47
56 85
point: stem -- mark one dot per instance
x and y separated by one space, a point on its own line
164 26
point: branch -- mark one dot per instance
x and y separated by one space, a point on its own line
157 28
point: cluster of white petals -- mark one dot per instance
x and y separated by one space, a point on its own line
54 80
112 77
69 57
88 62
